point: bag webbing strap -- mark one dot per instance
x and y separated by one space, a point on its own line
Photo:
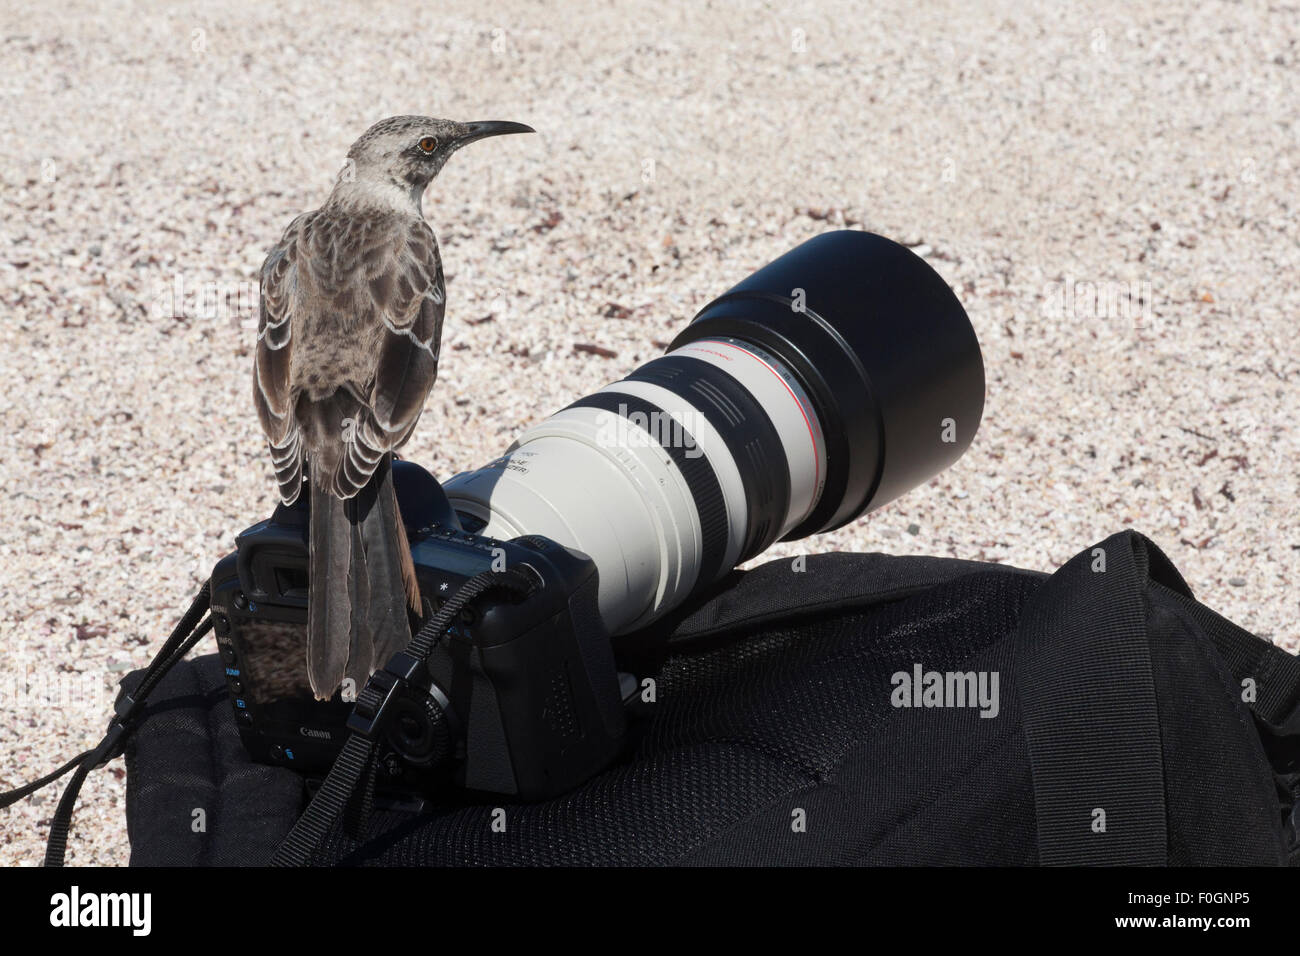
1088 701
191 628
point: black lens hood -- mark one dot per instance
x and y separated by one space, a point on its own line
885 351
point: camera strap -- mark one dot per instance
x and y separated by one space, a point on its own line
348 790
191 629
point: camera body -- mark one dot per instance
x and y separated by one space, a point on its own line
520 699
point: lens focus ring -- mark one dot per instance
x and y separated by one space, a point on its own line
696 471
747 430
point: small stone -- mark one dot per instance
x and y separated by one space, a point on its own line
913 528
1237 582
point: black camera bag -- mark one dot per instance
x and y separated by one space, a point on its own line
1134 726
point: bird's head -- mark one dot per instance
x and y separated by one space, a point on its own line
407 152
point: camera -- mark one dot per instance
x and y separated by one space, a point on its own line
520 699
831 381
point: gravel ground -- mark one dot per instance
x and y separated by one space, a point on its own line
1033 153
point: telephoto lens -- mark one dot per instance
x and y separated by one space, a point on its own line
828 383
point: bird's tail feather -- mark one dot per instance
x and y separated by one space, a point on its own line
361 578
329 590
388 556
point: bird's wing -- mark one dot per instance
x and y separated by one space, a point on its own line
407 296
410 299
271 388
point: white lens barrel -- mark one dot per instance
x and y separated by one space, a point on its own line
593 482
666 479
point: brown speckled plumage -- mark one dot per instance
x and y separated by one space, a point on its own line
351 316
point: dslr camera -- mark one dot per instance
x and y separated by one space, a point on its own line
828 383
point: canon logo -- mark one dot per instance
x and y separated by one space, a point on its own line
313 732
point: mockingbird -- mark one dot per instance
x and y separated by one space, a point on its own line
347 351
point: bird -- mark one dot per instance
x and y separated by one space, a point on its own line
349 328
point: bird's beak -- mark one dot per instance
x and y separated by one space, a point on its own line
486 128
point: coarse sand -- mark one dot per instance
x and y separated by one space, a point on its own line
1109 188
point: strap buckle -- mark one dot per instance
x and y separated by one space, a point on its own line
374 703
119 725
112 746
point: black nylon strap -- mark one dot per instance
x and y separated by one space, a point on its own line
348 790
111 746
184 636
128 706
13 796
1088 700
56 845
187 633
354 762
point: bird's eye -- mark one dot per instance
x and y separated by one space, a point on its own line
428 144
